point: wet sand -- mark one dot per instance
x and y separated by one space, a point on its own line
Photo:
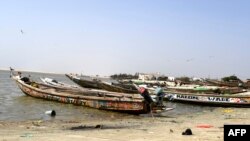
134 128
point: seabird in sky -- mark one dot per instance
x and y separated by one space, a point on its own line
188 60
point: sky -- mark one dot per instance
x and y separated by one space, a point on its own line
195 38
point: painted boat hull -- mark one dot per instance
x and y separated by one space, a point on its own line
222 84
85 83
95 84
113 88
210 99
104 103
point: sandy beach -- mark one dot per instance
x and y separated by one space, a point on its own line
206 126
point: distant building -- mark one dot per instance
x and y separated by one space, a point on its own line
196 79
170 78
153 76
145 77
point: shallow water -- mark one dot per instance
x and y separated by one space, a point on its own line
15 106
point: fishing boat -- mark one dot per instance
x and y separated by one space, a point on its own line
192 89
83 82
116 88
98 84
146 82
53 82
223 83
235 100
99 99
205 89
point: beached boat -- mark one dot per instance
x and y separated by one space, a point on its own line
120 102
98 84
104 100
222 83
239 99
83 82
192 89
205 89
129 86
116 88
146 82
54 82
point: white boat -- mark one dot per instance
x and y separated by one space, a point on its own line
53 82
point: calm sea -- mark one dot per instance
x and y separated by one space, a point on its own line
15 106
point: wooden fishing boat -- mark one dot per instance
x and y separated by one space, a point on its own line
116 88
192 89
128 103
205 89
222 83
234 100
146 82
129 86
98 84
84 83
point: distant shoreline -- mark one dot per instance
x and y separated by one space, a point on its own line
32 71
50 72
105 76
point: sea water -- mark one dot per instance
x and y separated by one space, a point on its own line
16 106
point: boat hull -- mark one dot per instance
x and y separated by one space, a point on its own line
222 84
86 83
103 103
95 84
210 99
113 88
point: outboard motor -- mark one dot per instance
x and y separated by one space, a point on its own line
159 96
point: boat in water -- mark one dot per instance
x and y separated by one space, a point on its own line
99 99
232 100
204 89
98 84
223 83
53 82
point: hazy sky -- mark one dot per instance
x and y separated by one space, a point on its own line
175 37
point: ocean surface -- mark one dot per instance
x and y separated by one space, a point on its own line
16 106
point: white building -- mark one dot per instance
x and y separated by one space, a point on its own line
197 79
171 78
145 77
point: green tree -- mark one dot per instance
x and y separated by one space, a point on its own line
230 78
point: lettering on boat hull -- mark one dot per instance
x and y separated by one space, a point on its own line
206 99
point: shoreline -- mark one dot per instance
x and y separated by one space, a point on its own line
21 70
206 125
56 73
